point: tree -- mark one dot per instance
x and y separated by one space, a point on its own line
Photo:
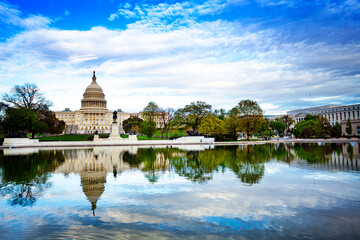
264 128
309 125
132 124
211 125
322 127
23 120
278 126
269 133
166 118
151 111
348 127
191 115
336 130
148 128
54 125
231 124
220 113
27 96
250 116
287 120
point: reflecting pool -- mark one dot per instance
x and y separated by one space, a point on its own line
270 191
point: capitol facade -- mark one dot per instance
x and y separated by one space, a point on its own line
93 115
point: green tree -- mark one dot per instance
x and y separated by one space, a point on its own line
211 125
250 116
192 114
305 128
23 120
278 126
151 111
336 130
221 113
231 124
148 128
269 133
348 127
132 124
322 127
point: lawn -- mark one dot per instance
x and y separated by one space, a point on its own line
172 133
87 137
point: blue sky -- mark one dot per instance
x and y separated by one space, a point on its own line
276 52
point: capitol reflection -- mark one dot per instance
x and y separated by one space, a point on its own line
93 165
25 172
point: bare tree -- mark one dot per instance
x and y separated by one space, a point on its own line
27 96
166 117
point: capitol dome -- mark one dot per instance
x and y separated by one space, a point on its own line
93 97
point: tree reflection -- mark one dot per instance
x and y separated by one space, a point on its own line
315 153
26 177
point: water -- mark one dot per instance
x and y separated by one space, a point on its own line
292 191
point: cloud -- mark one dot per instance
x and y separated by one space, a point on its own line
168 56
11 15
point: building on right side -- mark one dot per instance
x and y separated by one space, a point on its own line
333 113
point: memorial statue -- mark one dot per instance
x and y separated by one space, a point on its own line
114 116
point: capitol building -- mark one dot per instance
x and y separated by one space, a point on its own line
93 115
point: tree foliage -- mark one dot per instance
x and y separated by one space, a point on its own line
28 111
231 124
132 124
278 126
305 129
192 114
317 126
19 121
148 128
348 127
151 111
220 113
322 127
250 116
211 125
336 130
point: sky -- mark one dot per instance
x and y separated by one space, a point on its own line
283 54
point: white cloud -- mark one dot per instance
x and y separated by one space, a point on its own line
12 16
218 62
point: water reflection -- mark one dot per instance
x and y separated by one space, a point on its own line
252 191
24 177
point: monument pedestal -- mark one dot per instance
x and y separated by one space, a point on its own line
133 138
114 135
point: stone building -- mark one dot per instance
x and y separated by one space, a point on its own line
93 114
333 113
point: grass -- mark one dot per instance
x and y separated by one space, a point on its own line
87 137
69 137
172 133
146 138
